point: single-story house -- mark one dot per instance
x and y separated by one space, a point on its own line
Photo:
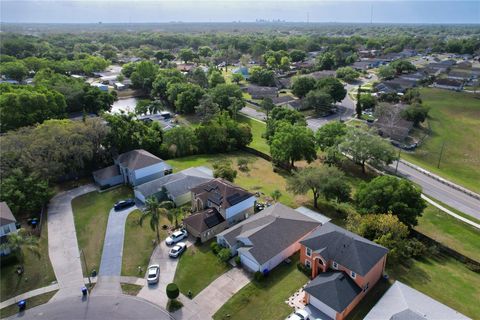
214 198
398 85
344 267
460 75
176 186
260 92
403 302
279 101
321 74
134 168
7 226
269 237
450 84
416 76
393 125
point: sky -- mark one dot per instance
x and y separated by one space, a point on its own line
141 11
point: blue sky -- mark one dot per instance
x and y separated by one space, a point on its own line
108 11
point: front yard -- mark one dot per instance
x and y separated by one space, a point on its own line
197 268
91 212
266 299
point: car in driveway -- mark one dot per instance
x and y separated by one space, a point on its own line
176 236
124 204
299 314
153 273
177 250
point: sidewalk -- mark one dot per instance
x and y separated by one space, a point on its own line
29 294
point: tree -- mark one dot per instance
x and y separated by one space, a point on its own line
279 114
186 55
267 105
367 101
297 55
205 51
386 72
386 194
285 63
237 78
327 181
403 66
144 75
199 77
276 194
358 106
261 76
188 99
291 143
215 79
302 85
207 108
180 141
163 54
223 94
347 74
330 135
223 169
365 146
416 113
25 193
174 214
333 87
235 106
320 101
154 211
326 61
14 70
19 241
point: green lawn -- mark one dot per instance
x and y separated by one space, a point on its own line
137 246
31 303
130 289
451 232
258 129
265 300
197 268
454 119
91 212
38 271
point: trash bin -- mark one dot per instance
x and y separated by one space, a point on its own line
94 273
84 291
22 304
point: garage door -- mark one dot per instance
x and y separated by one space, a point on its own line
248 263
139 196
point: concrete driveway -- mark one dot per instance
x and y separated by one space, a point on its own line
62 243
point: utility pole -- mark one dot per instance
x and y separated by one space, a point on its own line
86 269
440 156
398 160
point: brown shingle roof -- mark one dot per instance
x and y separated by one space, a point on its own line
204 220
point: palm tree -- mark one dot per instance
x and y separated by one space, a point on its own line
173 215
276 194
154 210
18 241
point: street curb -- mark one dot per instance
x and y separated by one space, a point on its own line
441 180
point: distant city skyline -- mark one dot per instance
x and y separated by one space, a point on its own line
107 11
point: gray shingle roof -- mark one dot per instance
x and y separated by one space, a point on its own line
221 192
204 220
137 159
6 215
271 231
344 247
402 302
106 173
335 289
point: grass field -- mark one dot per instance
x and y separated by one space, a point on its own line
451 232
258 129
91 212
197 268
31 303
454 119
265 300
137 246
38 271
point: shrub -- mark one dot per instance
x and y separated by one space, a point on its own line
258 276
416 248
304 269
238 261
224 254
172 291
474 267
215 247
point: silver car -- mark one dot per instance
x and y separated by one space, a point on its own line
177 249
153 274
299 315
176 236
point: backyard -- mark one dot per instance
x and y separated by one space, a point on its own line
258 129
454 119
197 268
91 212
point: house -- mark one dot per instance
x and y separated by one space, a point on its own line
279 101
7 226
134 168
119 86
344 266
260 92
398 85
459 75
321 74
450 84
269 237
101 86
416 76
175 186
403 302
391 124
218 204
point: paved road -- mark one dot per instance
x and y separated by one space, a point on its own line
253 113
437 190
96 308
62 243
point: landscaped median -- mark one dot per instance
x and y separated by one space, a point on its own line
91 213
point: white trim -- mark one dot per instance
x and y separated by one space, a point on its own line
308 250
308 263
334 265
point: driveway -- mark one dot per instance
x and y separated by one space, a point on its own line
253 113
62 243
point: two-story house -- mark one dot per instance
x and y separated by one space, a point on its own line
7 226
344 266
218 204
133 168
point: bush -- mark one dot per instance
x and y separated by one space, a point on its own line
474 267
172 291
215 248
238 261
224 254
174 305
416 248
258 276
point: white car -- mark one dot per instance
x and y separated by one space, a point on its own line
299 314
177 249
153 274
176 236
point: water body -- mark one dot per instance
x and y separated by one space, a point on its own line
127 105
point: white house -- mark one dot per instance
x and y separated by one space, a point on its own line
7 225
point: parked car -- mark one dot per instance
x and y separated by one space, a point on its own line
153 274
176 236
177 249
299 314
124 204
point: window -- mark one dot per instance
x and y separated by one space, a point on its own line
309 252
353 274
308 264
335 265
366 287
